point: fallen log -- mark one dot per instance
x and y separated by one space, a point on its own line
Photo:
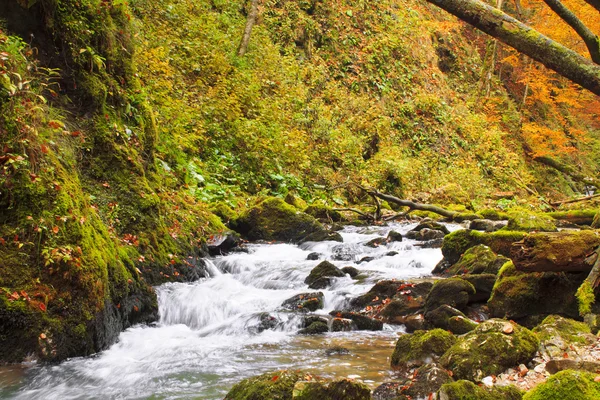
566 251
578 217
586 198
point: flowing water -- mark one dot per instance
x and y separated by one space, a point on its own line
208 336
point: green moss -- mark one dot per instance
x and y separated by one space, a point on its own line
585 298
457 242
479 259
416 348
466 390
274 219
493 215
274 385
454 292
526 221
580 217
492 347
224 212
568 329
343 389
466 216
323 213
567 385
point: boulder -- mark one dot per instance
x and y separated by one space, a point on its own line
419 348
566 251
274 219
353 272
362 322
440 317
454 292
466 390
432 225
320 276
567 385
517 295
273 385
342 325
265 322
483 284
460 325
315 328
491 348
313 256
379 241
457 242
479 259
389 391
381 291
304 302
222 244
562 364
414 322
427 381
394 236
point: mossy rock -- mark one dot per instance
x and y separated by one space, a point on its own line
295 201
492 347
274 219
431 225
466 216
458 242
524 221
479 259
440 317
304 302
320 276
559 336
483 284
567 385
466 390
315 328
362 322
224 212
417 348
517 295
273 385
428 379
454 292
460 325
380 291
345 389
324 213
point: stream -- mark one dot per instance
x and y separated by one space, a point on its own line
209 337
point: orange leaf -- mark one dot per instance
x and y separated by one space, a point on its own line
135 308
55 229
274 378
42 336
42 307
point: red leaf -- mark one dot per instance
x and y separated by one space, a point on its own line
135 308
42 307
274 378
55 229
45 149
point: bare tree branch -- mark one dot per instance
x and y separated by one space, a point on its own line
251 20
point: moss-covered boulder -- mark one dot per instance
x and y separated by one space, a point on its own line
420 347
425 235
454 292
566 251
567 385
578 217
517 295
525 221
559 336
440 317
273 385
321 276
466 390
492 347
423 384
274 219
460 325
324 213
314 328
479 259
345 389
487 225
483 284
304 302
457 242
394 236
224 212
432 225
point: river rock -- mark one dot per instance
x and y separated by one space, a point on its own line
394 236
440 317
562 364
457 242
454 292
460 325
353 272
526 221
362 322
304 302
266 322
313 256
379 241
428 379
342 325
389 391
315 328
419 348
492 347
272 385
483 284
321 276
222 244
414 322
432 225
375 296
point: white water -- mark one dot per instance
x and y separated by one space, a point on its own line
206 339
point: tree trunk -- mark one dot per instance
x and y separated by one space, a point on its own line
526 40
252 15
565 251
590 38
413 205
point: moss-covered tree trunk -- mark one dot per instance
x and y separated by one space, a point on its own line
526 40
